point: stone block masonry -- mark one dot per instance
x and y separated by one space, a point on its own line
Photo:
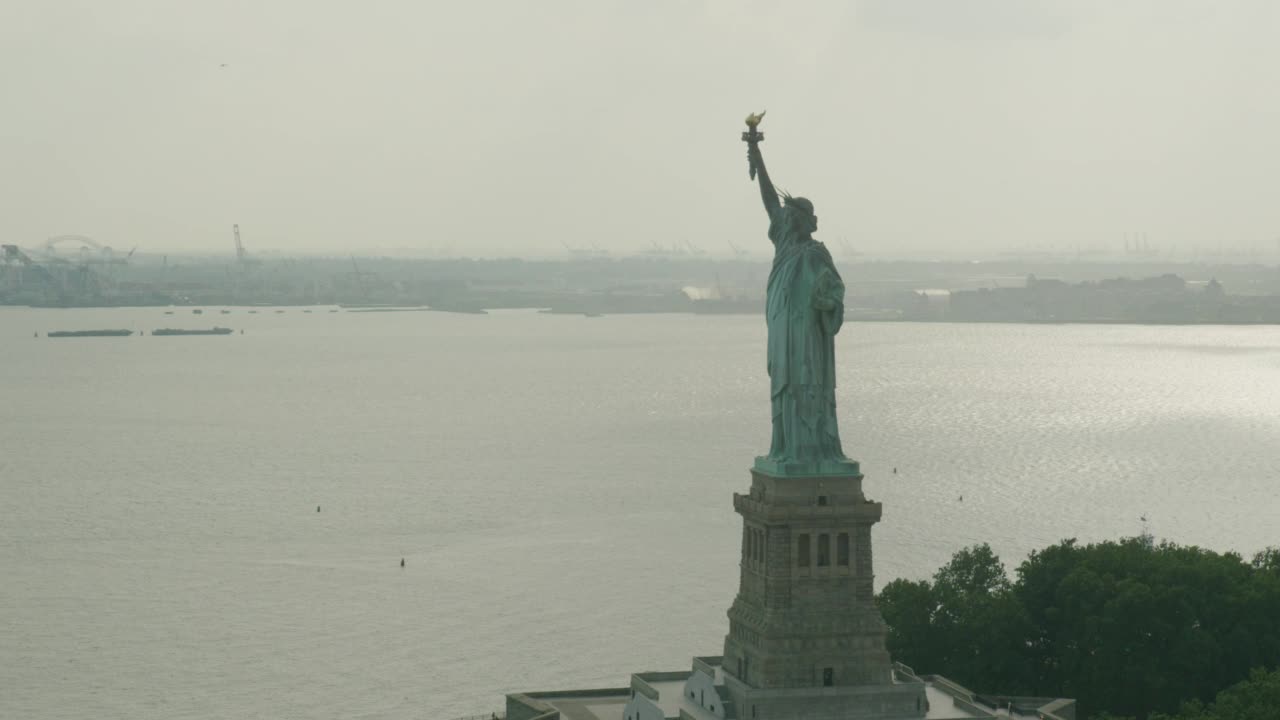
804 620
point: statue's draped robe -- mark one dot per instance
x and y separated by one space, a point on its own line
801 360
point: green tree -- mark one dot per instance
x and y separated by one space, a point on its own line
1257 698
1129 627
967 620
980 623
1133 626
1267 560
908 608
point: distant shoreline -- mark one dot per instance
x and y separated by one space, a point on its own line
851 316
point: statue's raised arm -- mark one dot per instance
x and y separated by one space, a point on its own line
755 161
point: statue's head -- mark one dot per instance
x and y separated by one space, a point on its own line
802 217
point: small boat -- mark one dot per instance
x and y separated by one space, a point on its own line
171 331
90 333
197 311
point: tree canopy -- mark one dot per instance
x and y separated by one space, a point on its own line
1257 698
1129 627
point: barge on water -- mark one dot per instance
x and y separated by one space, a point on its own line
172 331
90 333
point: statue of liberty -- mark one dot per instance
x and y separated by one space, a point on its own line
804 310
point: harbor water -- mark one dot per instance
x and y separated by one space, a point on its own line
213 527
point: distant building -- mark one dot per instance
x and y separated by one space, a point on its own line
1214 290
1164 299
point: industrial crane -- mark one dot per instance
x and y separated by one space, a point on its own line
240 253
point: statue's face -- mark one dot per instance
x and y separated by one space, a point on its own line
809 219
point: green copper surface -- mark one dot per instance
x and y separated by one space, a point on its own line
804 309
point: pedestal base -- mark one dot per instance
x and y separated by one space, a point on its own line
899 701
792 468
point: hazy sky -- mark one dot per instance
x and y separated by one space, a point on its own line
486 128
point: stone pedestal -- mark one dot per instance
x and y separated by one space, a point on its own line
804 631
